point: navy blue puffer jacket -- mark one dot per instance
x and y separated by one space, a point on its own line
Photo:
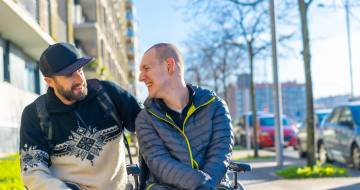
190 156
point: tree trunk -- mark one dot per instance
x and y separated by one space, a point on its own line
303 7
224 79
253 100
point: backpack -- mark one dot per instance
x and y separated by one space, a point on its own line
108 107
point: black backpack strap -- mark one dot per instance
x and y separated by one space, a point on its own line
109 108
45 123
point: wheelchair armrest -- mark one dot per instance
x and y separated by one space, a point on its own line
133 169
239 167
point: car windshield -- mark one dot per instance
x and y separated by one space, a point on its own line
269 121
356 114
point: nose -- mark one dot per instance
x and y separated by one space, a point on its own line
78 76
141 77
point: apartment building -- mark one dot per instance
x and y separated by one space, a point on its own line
27 27
100 29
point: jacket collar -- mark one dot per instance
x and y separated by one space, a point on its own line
199 97
54 104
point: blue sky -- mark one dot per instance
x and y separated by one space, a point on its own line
160 21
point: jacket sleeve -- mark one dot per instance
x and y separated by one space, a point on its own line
34 155
220 147
126 104
159 161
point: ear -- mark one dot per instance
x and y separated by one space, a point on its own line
50 81
170 65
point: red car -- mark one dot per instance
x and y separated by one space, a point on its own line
266 131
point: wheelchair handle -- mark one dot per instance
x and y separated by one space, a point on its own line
239 167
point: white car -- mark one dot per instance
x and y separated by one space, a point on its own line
320 116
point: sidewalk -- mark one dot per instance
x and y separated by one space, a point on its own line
263 176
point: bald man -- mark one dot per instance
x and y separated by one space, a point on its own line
184 132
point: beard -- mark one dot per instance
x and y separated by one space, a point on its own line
70 95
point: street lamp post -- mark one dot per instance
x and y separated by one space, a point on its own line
348 34
346 6
277 92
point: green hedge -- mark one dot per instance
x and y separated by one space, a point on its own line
10 173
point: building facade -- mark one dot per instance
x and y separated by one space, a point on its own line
28 27
101 31
132 45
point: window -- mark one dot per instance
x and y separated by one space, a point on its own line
269 121
355 110
104 17
129 15
102 49
49 16
32 7
23 71
17 67
346 117
6 53
334 117
32 77
1 60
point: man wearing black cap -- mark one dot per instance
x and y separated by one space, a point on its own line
77 142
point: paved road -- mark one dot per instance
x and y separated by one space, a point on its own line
263 177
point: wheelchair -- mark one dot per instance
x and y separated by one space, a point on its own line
234 167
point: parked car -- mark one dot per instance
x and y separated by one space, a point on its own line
266 130
239 133
302 134
341 135
239 128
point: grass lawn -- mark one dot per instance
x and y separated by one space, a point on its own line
238 147
10 173
295 172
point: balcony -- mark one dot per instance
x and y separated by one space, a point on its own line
29 36
89 10
86 34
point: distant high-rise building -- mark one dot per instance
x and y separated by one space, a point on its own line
231 100
293 98
331 101
243 101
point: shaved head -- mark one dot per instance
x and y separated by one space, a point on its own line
166 50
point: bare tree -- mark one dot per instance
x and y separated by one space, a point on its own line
303 8
250 33
201 66
217 60
249 25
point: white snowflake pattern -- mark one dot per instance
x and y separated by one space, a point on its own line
31 157
86 143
